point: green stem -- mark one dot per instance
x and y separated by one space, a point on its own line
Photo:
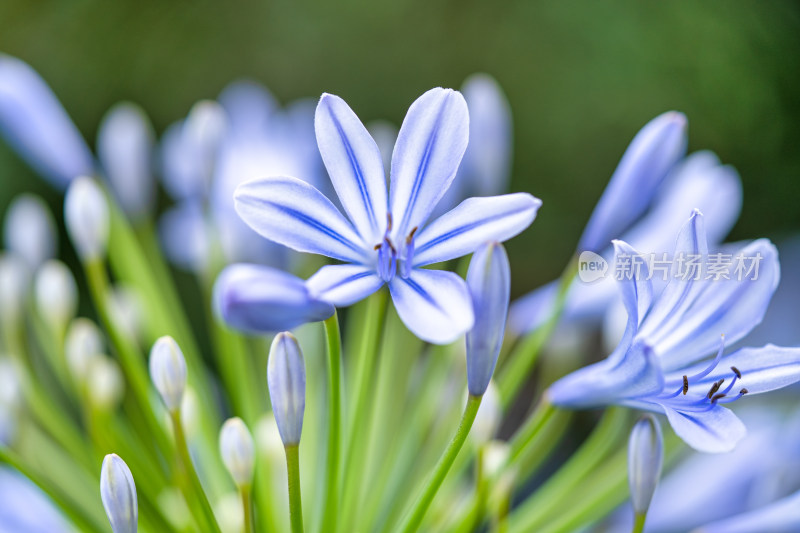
414 518
195 489
519 365
295 501
247 509
525 434
334 349
372 330
638 522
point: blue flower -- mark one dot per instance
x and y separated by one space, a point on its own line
699 181
35 124
23 507
781 516
388 237
654 368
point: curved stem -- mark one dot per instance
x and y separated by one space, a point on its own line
417 513
247 509
334 349
295 500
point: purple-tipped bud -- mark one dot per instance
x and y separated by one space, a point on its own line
649 158
261 299
645 457
237 449
489 282
286 377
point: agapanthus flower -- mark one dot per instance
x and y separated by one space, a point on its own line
697 181
24 507
655 368
243 135
387 236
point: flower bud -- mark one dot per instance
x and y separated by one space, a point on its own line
495 458
645 457
238 451
14 280
56 294
652 154
87 219
118 492
29 230
168 372
489 282
286 377
261 299
105 384
190 412
124 146
490 413
82 345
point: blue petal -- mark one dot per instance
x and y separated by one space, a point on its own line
34 123
782 516
489 282
24 507
730 307
429 148
125 149
636 290
184 234
681 290
344 285
354 165
486 168
716 430
433 304
474 222
648 159
260 299
698 182
763 369
628 373
291 212
249 107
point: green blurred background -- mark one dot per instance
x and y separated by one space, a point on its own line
581 77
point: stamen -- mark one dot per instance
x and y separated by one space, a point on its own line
411 235
685 384
714 388
717 397
377 246
736 371
733 382
731 400
388 221
713 364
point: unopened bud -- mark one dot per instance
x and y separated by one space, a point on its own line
56 294
87 219
286 377
168 372
29 230
238 451
489 282
83 344
118 492
645 457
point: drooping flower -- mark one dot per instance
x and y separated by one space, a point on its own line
699 181
655 368
388 238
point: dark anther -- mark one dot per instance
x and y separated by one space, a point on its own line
743 391
390 245
714 388
388 221
378 246
717 397
685 385
736 371
411 235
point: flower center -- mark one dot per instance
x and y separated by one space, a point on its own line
394 258
714 394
